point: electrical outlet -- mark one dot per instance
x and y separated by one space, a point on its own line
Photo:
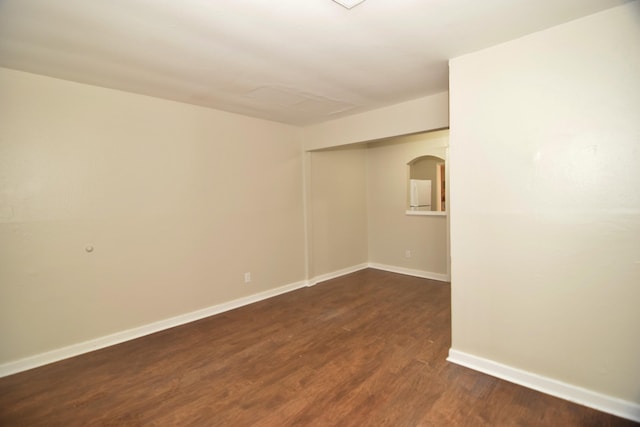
407 253
247 277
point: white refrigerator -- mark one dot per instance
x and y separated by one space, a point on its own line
420 194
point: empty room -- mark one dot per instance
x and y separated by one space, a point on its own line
319 212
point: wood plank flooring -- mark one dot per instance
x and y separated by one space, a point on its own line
366 349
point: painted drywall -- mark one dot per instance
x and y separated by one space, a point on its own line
325 165
545 214
419 115
175 201
338 189
391 232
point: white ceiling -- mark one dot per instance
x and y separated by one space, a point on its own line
293 61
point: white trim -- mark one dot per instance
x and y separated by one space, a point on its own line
337 273
58 354
411 272
582 396
119 337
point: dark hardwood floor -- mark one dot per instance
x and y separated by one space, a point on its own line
366 349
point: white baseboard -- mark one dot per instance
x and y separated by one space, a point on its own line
338 273
411 272
592 399
129 334
119 337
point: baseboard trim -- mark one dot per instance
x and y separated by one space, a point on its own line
411 272
334 274
582 396
130 334
56 355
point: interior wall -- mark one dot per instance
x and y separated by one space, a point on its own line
338 209
391 231
419 115
176 201
545 215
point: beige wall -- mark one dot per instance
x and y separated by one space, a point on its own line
338 209
419 115
391 231
177 201
328 176
358 201
545 225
